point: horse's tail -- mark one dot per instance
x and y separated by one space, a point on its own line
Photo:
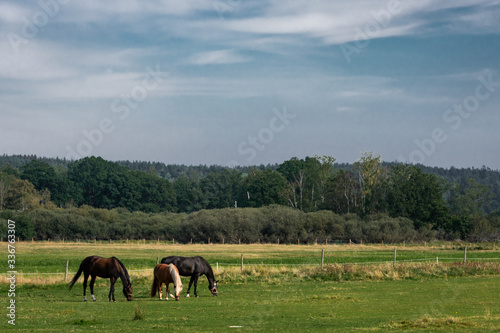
154 287
77 275
174 273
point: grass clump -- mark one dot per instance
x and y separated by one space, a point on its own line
139 313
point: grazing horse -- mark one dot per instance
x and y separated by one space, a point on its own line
167 274
108 268
194 267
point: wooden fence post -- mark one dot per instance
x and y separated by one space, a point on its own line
157 260
66 272
322 257
394 263
465 254
242 263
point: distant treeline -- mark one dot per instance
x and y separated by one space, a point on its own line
271 224
452 203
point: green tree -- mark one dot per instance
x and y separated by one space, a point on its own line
371 175
416 195
262 188
302 182
469 198
343 193
220 188
22 195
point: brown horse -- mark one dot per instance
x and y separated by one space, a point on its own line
164 273
108 268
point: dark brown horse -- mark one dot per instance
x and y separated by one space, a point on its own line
194 267
108 268
166 274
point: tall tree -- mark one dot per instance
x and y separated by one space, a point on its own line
262 188
371 175
416 195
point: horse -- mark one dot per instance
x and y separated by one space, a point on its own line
164 273
193 267
108 268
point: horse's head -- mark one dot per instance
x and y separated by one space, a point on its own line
177 289
127 291
213 287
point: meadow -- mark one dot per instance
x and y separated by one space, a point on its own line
281 288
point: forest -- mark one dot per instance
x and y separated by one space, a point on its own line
304 200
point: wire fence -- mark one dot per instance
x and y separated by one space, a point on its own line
219 265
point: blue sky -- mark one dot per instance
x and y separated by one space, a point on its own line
249 82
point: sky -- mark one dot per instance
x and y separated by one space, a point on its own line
233 82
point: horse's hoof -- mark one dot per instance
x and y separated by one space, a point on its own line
187 295
196 296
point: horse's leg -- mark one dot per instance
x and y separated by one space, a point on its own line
85 278
160 287
167 292
191 280
196 285
92 281
112 289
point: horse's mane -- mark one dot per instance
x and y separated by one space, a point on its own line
174 273
125 272
209 269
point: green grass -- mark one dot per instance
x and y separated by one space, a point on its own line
457 304
422 297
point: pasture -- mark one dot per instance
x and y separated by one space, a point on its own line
281 288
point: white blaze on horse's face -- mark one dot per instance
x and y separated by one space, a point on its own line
213 290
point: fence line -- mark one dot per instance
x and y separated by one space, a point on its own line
220 264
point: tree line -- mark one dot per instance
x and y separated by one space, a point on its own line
367 188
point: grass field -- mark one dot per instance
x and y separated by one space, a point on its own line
282 288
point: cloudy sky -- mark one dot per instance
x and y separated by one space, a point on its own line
249 82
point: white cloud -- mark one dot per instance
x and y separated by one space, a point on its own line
218 57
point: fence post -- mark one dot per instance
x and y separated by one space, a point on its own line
394 263
157 260
437 260
322 257
66 272
465 254
242 263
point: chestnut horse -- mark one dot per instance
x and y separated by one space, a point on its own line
108 268
167 274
